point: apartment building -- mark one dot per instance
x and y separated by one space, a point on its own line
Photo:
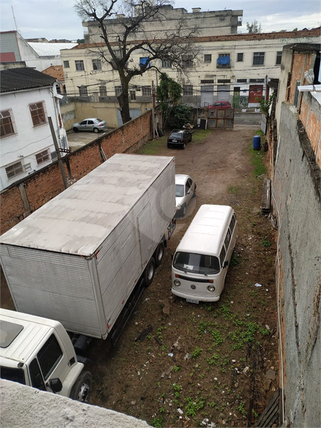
228 66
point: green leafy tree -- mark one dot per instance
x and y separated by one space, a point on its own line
179 115
265 105
169 94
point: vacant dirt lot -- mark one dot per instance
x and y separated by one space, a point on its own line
208 364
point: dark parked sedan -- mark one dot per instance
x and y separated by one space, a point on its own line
179 138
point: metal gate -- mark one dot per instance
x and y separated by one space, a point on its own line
220 118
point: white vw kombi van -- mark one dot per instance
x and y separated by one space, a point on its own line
202 257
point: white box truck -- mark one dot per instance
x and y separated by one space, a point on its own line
81 257
38 352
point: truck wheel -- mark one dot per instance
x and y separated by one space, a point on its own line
149 272
159 253
82 388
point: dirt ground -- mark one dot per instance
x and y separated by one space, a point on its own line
208 364
211 364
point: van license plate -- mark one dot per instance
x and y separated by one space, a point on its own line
192 301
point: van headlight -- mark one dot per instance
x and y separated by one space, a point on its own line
177 283
211 288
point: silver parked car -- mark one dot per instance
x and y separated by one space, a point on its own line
185 190
90 124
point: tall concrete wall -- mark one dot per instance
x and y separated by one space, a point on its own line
22 406
296 200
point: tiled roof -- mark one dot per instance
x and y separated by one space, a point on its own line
55 71
16 79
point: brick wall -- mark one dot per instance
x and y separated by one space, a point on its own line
27 195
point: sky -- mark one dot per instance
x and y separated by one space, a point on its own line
57 19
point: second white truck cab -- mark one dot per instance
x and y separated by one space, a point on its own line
38 352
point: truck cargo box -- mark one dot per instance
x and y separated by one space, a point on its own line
78 257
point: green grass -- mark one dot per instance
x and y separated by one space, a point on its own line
153 147
200 135
257 159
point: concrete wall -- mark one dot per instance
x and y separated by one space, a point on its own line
22 406
27 195
297 204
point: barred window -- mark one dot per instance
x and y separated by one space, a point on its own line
166 63
96 64
258 58
208 58
102 91
146 91
278 58
79 65
14 169
6 123
43 156
132 95
38 114
240 57
187 61
188 90
66 64
83 92
118 90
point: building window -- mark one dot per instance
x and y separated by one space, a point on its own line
241 80
118 90
146 91
96 64
187 61
79 65
14 169
102 91
223 80
166 63
83 92
6 123
66 64
43 157
256 80
223 61
38 115
239 57
207 82
258 58
278 58
188 90
132 95
208 58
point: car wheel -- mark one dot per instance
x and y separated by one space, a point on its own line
96 130
183 146
82 387
194 194
159 253
149 272
168 146
75 129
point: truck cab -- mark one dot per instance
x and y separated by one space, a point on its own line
38 352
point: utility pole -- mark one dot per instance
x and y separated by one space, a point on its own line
60 163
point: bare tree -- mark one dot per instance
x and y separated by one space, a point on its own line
255 27
122 38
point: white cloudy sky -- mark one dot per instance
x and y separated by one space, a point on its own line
57 19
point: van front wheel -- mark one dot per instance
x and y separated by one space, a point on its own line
149 272
82 388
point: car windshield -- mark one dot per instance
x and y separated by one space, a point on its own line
179 190
98 120
196 263
176 135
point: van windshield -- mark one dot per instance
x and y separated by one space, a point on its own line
196 263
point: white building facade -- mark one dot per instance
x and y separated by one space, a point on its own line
28 99
229 66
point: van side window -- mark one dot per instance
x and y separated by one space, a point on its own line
227 238
232 223
36 376
49 356
222 255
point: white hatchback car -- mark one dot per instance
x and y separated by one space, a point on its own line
90 124
185 190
